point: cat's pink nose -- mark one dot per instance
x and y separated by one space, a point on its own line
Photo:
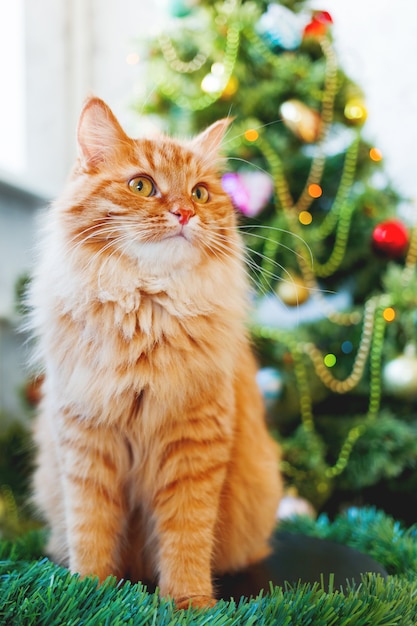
183 215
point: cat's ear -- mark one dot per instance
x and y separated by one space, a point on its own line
99 133
209 141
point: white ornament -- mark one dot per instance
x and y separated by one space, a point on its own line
291 506
400 375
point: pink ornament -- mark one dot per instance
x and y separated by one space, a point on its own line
249 191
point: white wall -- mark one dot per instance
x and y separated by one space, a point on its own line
12 58
75 48
377 46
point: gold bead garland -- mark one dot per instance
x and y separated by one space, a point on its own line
373 334
342 207
283 194
339 217
329 223
317 165
296 349
261 48
330 89
324 270
411 257
339 318
324 373
171 57
341 212
375 327
176 93
345 452
376 358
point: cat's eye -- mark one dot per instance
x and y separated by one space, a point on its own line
142 185
200 194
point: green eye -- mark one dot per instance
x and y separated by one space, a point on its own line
142 185
200 194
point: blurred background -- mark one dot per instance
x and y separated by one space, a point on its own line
53 53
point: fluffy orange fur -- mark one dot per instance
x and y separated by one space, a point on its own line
154 460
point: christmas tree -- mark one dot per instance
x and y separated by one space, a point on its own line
334 273
332 262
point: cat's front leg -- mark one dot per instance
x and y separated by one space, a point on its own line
94 498
186 501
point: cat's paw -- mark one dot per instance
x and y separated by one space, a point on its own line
196 602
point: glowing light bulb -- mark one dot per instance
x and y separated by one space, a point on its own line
329 360
132 58
251 134
355 111
231 88
375 154
389 314
218 69
347 347
211 83
305 218
315 190
290 111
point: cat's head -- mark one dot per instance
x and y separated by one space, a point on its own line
159 201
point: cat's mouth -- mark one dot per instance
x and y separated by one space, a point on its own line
181 232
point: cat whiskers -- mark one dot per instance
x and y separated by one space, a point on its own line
219 246
242 229
118 233
148 231
257 269
299 255
118 249
260 127
79 238
104 230
252 165
111 244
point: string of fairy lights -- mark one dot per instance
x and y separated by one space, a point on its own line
214 83
378 310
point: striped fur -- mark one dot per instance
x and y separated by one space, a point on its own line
154 460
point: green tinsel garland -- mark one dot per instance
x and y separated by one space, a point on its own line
34 591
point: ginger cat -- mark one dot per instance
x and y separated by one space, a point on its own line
154 461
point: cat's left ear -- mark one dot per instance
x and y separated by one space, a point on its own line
209 141
99 133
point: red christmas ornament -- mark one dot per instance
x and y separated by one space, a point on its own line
390 238
318 25
323 16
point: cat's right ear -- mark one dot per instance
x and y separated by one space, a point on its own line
209 141
99 133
